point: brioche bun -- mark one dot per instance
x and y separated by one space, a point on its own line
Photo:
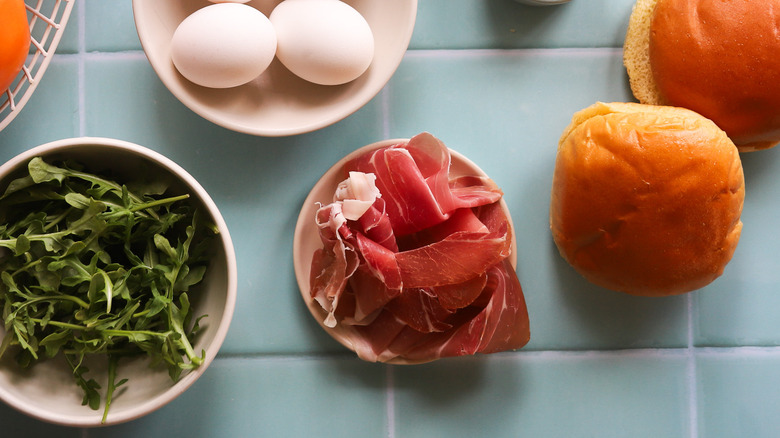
646 199
718 58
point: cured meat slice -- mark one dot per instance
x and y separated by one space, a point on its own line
506 314
455 259
334 264
372 295
382 262
457 250
501 324
415 262
413 178
421 310
376 225
460 295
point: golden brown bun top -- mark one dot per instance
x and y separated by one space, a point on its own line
646 199
718 58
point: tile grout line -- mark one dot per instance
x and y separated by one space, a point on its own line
390 400
82 46
384 105
390 373
773 351
693 403
411 53
513 51
80 6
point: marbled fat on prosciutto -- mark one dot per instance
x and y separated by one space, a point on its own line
416 262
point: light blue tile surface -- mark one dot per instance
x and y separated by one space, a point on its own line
51 113
16 424
480 24
738 394
498 82
547 395
70 41
109 26
283 397
743 310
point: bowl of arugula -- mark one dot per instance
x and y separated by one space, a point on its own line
117 281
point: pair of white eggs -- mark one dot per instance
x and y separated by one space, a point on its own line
228 44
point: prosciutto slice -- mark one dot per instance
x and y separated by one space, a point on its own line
416 265
413 179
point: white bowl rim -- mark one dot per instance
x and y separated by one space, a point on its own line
188 379
323 122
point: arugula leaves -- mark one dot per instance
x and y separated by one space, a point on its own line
90 267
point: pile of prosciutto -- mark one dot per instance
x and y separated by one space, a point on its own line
415 262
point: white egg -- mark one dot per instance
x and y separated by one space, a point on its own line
326 42
223 45
228 1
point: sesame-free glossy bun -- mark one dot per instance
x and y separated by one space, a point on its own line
718 58
646 199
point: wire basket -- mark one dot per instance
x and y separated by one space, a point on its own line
47 23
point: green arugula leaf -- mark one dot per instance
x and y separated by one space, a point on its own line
90 266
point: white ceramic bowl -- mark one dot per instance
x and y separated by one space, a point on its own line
277 103
47 391
306 239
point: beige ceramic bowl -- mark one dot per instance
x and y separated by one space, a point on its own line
47 391
306 239
277 103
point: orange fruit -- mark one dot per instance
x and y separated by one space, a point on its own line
14 40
